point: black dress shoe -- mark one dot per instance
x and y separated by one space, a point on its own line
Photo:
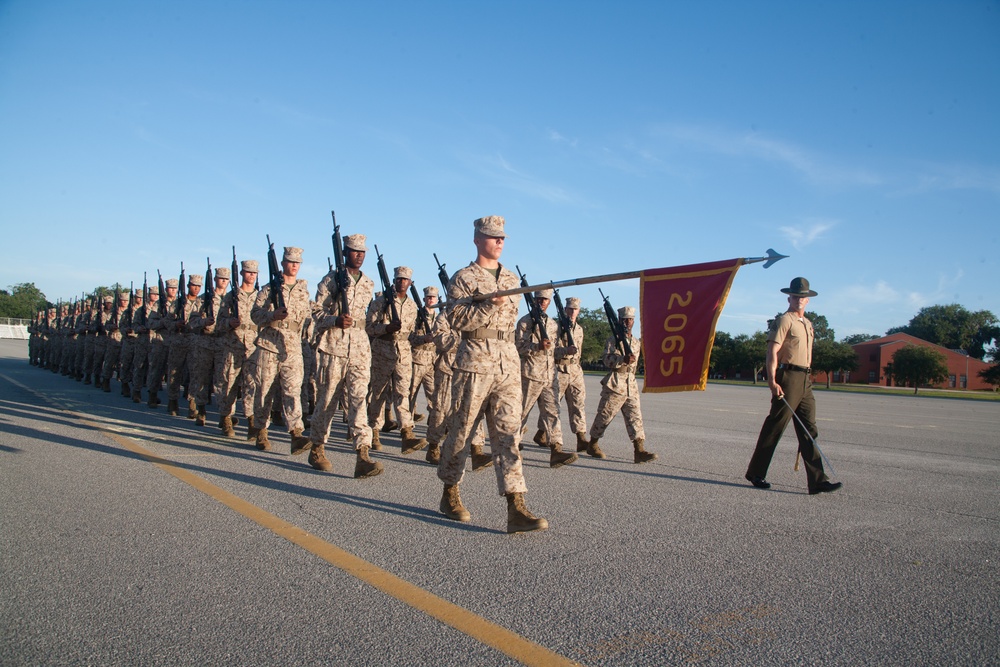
759 482
825 487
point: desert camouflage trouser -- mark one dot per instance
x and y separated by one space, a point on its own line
273 373
157 367
498 398
544 393
572 387
338 380
609 406
424 375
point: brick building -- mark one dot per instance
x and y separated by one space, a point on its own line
875 355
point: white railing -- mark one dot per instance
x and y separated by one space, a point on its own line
12 327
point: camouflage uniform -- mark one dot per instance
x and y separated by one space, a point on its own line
570 378
538 374
619 391
181 342
159 324
424 355
236 346
130 342
143 336
277 361
204 348
446 342
486 379
343 360
99 328
392 359
113 347
83 342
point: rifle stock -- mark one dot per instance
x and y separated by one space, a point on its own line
275 281
536 314
617 329
340 277
564 322
388 291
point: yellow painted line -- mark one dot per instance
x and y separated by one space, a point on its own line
512 644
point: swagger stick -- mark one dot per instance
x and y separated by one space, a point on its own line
815 444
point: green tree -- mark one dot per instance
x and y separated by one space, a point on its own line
830 356
749 352
991 375
916 365
955 328
596 332
23 301
723 349
854 339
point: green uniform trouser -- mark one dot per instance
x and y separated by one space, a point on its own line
797 386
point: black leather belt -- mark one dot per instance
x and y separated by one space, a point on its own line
793 367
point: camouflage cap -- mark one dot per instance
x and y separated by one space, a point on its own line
573 302
51 311
402 272
543 294
430 290
355 242
626 312
196 279
292 254
155 289
107 298
138 294
248 266
123 296
222 272
491 225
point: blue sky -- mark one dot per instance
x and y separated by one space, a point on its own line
860 138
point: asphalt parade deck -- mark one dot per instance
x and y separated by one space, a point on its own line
131 537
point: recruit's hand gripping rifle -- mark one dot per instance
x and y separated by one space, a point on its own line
388 289
340 278
621 339
180 311
564 324
275 281
537 323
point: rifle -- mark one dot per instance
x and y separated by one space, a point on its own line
275 280
113 321
235 287
564 322
181 308
388 291
533 309
161 305
209 302
144 311
341 279
423 319
99 307
616 326
442 276
131 304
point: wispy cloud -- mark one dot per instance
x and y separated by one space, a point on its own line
505 174
756 145
808 232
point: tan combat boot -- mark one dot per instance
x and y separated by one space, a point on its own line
300 443
106 385
641 455
172 407
594 450
376 443
418 417
126 390
411 443
519 519
154 400
559 458
582 443
200 418
192 409
137 395
480 461
364 466
433 454
318 460
263 444
226 424
540 438
451 504
251 431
